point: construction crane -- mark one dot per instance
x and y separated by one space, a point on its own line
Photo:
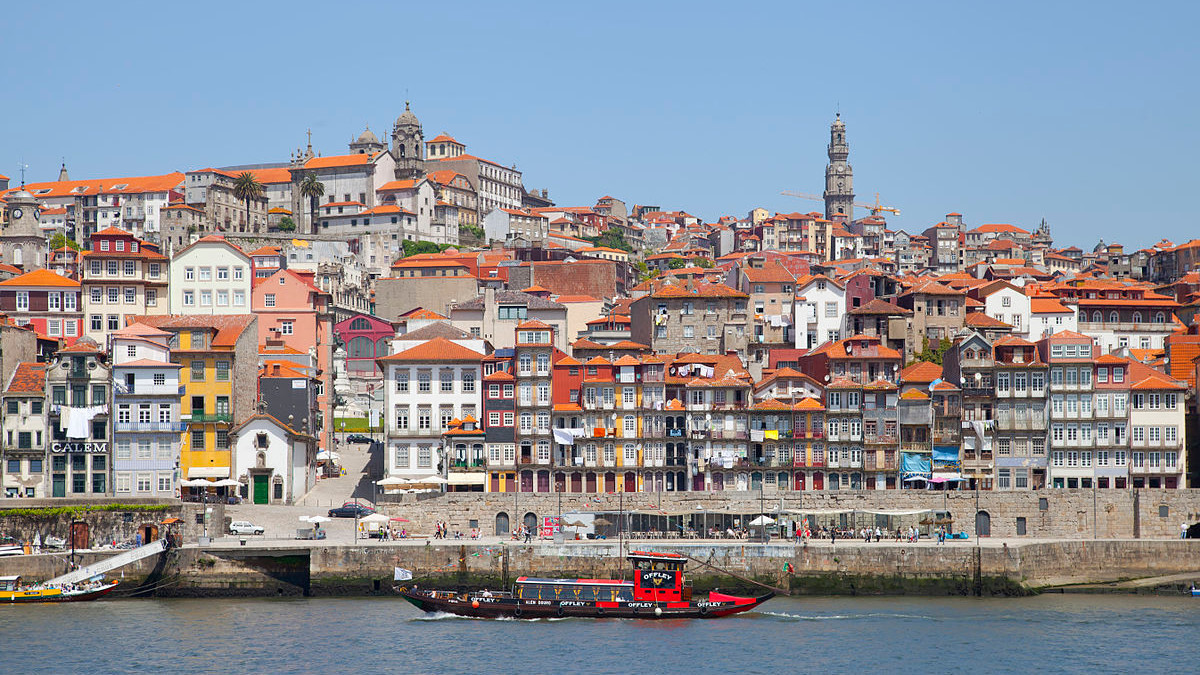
875 208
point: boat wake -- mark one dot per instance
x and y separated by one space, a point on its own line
847 617
442 616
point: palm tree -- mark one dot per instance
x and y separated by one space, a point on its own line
313 189
245 188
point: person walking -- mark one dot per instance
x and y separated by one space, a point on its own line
1183 528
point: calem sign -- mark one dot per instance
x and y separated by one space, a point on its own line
93 447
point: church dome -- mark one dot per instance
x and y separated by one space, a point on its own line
407 119
367 136
18 196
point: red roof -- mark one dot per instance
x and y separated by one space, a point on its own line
40 278
437 349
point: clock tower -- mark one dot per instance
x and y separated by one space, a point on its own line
21 241
839 177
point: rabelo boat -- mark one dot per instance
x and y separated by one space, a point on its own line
659 590
12 591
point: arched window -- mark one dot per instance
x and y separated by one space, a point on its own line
382 347
1113 317
1137 317
360 324
1097 316
1160 317
360 347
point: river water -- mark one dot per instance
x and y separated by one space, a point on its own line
1049 633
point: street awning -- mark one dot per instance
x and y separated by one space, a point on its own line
478 478
208 472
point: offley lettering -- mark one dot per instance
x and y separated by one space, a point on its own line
95 446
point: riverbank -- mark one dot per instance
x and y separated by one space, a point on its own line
995 568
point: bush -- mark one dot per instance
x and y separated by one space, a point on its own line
55 511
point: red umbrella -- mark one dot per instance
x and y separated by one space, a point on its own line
401 520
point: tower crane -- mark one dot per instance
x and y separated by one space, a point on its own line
875 208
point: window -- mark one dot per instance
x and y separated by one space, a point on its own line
423 383
237 273
22 300
130 295
468 381
239 298
831 310
401 417
222 274
206 298
205 274
222 298
189 298
269 300
286 327
222 371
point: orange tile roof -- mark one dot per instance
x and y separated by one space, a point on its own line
357 159
914 395
40 278
421 313
27 378
982 320
228 327
922 371
809 403
437 349
442 138
1047 306
1156 380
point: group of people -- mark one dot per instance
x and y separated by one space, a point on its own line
442 531
388 534
522 532
867 534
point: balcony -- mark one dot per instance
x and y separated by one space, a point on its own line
949 437
880 439
915 446
699 434
674 433
1127 326
122 389
722 434
947 411
198 416
463 465
164 427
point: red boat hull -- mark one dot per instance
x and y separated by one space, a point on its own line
492 607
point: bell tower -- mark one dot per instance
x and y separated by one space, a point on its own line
839 177
408 146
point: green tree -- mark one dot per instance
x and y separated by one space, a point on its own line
418 247
59 240
312 190
932 355
611 238
286 224
703 262
245 188
676 263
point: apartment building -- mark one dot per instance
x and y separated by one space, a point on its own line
121 276
145 405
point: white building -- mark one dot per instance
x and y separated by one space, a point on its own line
1050 315
275 464
820 310
1157 455
210 276
146 426
1008 303
427 387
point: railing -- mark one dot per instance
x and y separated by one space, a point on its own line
197 416
724 434
149 390
947 411
698 433
1126 325
473 464
915 446
879 439
945 438
150 426
1021 424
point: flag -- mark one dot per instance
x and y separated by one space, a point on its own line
402 574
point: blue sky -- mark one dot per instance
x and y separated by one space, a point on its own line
1011 112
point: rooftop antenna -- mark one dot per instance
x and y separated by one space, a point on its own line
23 167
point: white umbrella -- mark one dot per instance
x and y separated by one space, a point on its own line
194 482
325 454
431 479
374 518
391 481
763 520
226 482
314 519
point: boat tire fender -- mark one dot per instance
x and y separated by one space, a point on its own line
518 612
560 611
704 610
599 611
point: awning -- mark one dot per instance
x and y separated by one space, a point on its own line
468 479
208 472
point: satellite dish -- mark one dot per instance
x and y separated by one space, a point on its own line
826 378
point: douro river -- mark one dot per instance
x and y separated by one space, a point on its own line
1049 633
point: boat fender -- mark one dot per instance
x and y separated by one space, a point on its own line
475 604
658 611
599 611
704 610
518 612
560 611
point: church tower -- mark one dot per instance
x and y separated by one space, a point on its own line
839 177
21 241
408 146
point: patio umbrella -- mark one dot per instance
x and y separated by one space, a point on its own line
314 519
325 454
577 523
943 521
195 482
763 520
374 518
431 480
400 520
601 522
226 482
391 481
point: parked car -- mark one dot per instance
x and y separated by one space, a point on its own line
351 510
245 527
358 438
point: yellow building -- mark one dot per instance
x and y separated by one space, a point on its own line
219 377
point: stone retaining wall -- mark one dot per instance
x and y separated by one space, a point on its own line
1052 513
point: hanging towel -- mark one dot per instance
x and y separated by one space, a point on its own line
756 435
564 437
772 434
80 424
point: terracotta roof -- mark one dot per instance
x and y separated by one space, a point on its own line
148 363
357 159
1047 306
767 274
533 324
27 378
627 360
921 372
809 403
1156 380
982 320
422 313
40 278
442 138
437 349
879 306
944 386
914 395
440 329
228 327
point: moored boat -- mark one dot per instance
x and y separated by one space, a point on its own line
659 590
12 591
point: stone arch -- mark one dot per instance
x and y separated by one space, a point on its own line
502 524
983 524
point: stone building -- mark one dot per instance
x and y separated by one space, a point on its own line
839 176
23 468
78 379
691 317
22 243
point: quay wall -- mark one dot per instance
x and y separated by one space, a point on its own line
1051 513
846 568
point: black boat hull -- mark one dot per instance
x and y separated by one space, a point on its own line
488 607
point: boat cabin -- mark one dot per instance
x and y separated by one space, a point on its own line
10 583
659 577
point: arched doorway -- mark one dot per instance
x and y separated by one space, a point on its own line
527 481
531 522
543 481
610 482
501 524
630 482
799 480
983 524
149 532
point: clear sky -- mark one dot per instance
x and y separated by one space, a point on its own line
1080 113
